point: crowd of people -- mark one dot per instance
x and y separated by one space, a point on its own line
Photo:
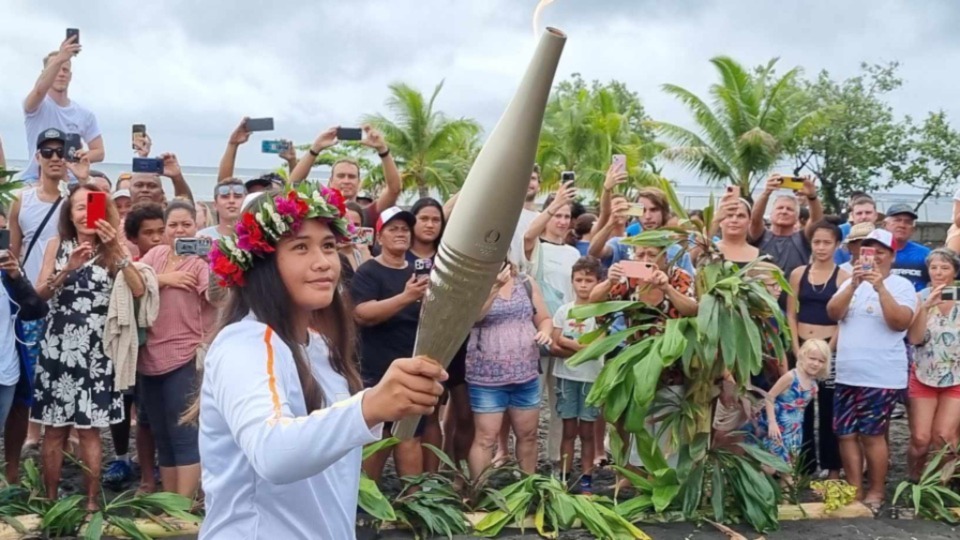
297 330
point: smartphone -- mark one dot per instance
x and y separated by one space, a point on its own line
568 176
193 246
422 267
138 133
74 32
364 236
867 255
949 293
620 160
72 145
259 124
349 134
639 270
96 208
273 147
148 165
794 183
4 241
636 210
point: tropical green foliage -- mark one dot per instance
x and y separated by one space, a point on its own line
585 125
933 163
68 516
856 140
433 152
743 128
933 496
7 187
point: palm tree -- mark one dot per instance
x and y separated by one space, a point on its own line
432 151
753 117
582 129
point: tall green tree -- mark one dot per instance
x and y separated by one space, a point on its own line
933 164
433 152
856 142
584 125
743 128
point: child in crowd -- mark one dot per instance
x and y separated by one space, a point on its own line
574 382
780 423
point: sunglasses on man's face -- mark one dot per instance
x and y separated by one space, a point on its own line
47 153
234 189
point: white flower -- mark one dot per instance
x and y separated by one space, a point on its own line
65 388
75 346
51 347
82 305
99 386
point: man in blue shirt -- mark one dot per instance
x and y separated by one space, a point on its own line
911 257
862 210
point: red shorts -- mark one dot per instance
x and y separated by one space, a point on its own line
918 390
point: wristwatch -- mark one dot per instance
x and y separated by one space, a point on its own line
385 153
313 152
123 263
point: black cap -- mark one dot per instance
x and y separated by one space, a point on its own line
51 134
901 208
268 180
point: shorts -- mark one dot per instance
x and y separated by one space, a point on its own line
497 399
166 397
572 401
30 333
919 390
862 410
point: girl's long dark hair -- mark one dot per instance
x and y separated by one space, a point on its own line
265 296
426 202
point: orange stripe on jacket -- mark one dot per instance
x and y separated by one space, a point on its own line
272 377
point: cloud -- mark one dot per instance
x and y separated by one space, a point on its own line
191 70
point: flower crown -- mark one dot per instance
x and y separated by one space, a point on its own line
261 227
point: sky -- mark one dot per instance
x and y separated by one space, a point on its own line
190 70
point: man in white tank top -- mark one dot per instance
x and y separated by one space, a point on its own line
32 206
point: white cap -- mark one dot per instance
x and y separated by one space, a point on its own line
120 193
881 236
249 199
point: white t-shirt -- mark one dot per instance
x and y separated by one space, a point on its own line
515 254
9 361
270 470
570 328
210 232
551 265
869 353
74 118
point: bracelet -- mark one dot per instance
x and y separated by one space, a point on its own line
385 153
813 198
314 153
551 214
122 263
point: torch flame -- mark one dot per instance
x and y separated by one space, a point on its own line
536 16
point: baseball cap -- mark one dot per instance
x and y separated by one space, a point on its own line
901 208
51 134
395 212
882 237
120 193
859 232
268 180
364 196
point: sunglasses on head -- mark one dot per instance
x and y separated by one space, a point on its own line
235 189
47 153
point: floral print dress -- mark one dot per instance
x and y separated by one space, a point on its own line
74 378
788 411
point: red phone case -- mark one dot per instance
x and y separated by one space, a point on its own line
96 208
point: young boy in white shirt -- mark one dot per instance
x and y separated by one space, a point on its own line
574 382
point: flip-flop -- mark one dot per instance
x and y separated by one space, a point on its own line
874 506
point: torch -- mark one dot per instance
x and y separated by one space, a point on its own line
478 235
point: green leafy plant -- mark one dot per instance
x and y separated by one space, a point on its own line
556 510
8 188
932 496
430 506
370 499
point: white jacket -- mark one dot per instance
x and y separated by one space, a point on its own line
270 470
120 341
